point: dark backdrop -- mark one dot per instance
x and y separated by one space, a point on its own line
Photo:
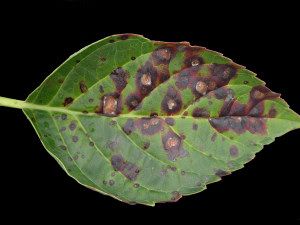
37 37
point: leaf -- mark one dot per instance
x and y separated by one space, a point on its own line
146 121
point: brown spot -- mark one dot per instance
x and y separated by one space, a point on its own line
146 79
153 114
221 173
170 121
200 112
272 112
128 169
171 103
213 137
132 101
113 174
109 105
173 146
83 87
182 173
63 129
136 185
111 41
129 126
146 145
119 77
91 100
150 126
201 87
77 61
186 113
175 196
111 182
91 144
68 101
234 151
75 139
246 82
105 182
85 112
133 58
195 126
163 55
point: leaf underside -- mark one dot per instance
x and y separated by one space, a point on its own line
147 122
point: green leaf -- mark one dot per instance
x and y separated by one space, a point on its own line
146 121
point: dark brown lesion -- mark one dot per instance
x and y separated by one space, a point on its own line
172 102
68 101
128 169
110 105
150 126
82 86
172 144
120 78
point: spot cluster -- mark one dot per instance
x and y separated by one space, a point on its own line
172 144
128 169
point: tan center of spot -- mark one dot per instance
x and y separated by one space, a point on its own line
201 87
146 80
109 105
172 142
171 104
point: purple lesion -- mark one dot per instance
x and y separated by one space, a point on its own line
128 169
173 145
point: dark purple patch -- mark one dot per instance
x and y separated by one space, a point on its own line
128 169
172 102
129 126
150 126
82 86
170 121
119 77
195 126
234 151
85 112
173 146
68 101
146 78
200 112
222 73
213 137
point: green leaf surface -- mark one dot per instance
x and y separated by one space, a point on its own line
147 122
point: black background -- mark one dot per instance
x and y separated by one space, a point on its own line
38 37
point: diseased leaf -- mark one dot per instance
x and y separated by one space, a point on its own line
146 121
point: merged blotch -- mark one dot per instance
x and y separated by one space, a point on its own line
128 169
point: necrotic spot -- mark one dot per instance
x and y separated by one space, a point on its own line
132 101
101 89
128 169
150 126
72 125
173 146
221 173
119 77
64 116
68 101
213 137
146 145
82 86
171 102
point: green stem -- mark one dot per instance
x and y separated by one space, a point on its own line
13 103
